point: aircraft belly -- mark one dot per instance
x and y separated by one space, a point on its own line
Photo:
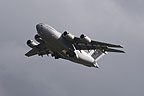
59 44
83 58
56 44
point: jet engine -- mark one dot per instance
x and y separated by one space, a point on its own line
31 43
68 36
38 38
85 38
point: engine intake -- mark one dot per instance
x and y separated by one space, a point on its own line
65 33
38 38
82 36
85 38
68 36
31 43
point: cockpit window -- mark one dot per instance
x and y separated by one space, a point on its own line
50 28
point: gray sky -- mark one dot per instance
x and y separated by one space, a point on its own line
114 21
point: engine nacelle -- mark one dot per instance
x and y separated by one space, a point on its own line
31 43
85 38
38 38
68 36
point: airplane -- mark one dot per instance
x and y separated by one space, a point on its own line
81 50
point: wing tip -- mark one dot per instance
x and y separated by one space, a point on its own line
27 55
121 46
114 50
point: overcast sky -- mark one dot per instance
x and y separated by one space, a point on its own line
114 21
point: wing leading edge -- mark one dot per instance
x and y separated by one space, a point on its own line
32 52
39 49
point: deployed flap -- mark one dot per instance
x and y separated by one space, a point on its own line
93 45
105 44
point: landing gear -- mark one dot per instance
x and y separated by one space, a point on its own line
52 55
40 55
56 56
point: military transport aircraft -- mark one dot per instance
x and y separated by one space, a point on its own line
80 50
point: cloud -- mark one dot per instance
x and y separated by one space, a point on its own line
108 20
132 7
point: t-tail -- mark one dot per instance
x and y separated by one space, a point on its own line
96 54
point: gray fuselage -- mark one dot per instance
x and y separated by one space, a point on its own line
58 44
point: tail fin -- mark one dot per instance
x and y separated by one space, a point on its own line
96 54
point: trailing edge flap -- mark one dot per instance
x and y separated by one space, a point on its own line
92 45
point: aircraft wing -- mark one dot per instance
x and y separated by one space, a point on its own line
81 45
40 49
32 52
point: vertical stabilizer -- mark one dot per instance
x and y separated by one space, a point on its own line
96 54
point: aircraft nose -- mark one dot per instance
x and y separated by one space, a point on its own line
39 28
